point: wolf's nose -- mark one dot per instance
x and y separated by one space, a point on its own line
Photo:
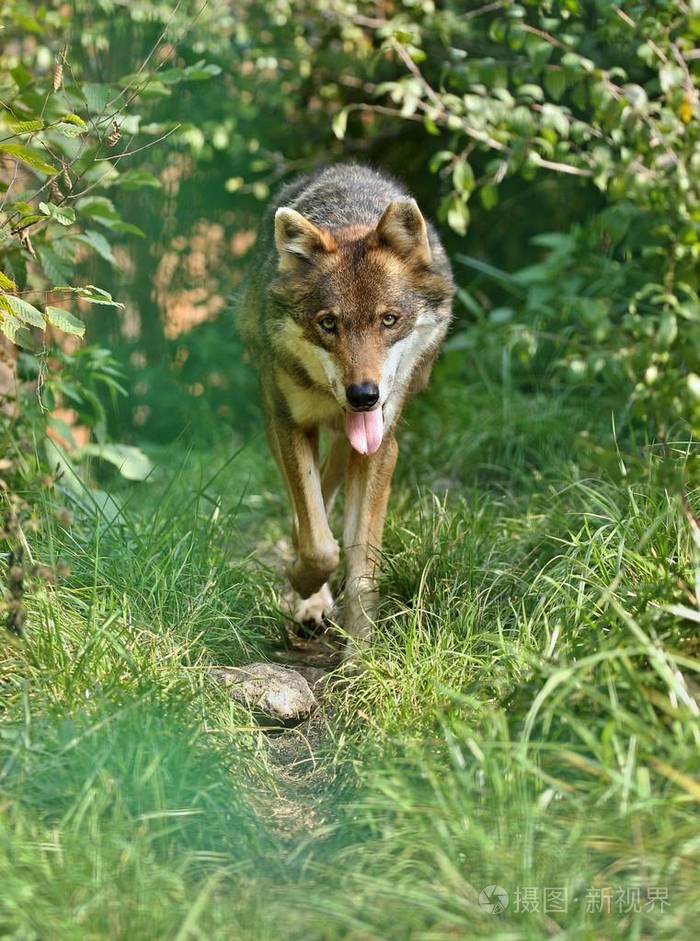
363 396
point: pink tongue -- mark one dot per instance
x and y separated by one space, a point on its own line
365 430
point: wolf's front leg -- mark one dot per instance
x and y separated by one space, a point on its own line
317 552
312 611
367 486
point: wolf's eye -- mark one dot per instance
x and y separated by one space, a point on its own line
328 323
388 320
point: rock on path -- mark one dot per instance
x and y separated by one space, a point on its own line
276 694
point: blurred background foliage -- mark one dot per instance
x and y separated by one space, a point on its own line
556 143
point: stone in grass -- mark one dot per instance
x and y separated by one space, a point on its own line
276 695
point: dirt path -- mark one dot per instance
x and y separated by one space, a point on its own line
303 757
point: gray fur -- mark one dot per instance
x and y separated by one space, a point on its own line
333 197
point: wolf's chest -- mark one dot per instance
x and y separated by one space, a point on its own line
309 407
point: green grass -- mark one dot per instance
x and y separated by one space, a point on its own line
528 716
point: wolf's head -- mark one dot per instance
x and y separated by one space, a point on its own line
364 306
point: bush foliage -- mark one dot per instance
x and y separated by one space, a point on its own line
126 129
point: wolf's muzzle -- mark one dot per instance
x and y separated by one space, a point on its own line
362 396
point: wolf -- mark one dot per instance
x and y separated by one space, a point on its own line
348 301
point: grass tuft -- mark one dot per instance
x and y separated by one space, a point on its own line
529 715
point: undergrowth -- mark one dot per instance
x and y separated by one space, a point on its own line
527 716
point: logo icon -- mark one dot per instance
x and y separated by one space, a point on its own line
493 899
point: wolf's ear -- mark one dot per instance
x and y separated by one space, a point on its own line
402 229
297 239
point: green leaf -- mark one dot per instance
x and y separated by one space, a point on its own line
23 310
154 89
64 215
437 160
138 178
24 127
532 91
668 330
555 83
31 219
131 462
169 76
128 228
7 284
577 63
98 96
67 129
30 156
340 123
102 210
22 76
15 331
458 216
98 206
55 268
555 117
201 71
28 214
99 243
198 72
72 118
463 177
66 321
14 262
91 294
489 195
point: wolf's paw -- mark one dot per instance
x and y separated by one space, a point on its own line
312 611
